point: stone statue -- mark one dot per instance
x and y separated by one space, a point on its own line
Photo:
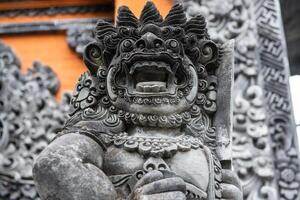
151 117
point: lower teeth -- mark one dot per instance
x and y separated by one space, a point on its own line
151 86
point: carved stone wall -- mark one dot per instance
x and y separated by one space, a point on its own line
264 143
29 118
275 72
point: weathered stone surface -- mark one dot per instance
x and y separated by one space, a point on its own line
144 122
291 25
70 169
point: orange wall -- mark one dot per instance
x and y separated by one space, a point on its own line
49 48
52 48
10 5
38 18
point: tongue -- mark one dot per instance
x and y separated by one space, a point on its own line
151 86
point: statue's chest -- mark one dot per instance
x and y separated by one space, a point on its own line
185 157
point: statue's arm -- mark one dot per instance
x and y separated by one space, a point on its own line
70 169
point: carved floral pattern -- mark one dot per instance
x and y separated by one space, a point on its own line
156 147
251 149
260 92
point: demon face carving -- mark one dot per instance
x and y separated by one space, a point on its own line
153 76
152 67
145 123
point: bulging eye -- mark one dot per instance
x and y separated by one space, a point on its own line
127 45
173 45
158 43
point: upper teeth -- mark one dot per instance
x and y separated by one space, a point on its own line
145 64
152 86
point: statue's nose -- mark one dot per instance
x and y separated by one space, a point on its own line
155 164
149 41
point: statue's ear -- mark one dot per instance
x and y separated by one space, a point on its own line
92 57
209 52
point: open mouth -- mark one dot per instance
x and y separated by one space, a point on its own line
152 73
150 76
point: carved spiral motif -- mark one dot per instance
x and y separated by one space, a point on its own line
202 85
99 113
102 73
86 93
95 53
105 101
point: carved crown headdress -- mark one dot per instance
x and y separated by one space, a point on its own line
191 33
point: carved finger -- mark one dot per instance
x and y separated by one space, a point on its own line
231 192
164 185
165 196
149 178
230 177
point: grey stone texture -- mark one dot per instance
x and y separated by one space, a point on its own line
265 150
144 122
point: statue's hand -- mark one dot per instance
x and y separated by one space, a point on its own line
231 186
155 186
